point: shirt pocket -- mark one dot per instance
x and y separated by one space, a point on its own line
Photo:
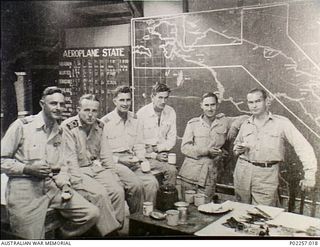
218 136
35 151
202 136
150 130
249 137
165 128
272 142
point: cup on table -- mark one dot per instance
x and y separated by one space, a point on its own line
147 208
172 158
189 196
172 217
199 199
145 166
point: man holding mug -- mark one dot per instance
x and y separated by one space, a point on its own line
125 140
202 144
158 123
260 146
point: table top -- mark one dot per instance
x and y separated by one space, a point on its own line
298 223
196 220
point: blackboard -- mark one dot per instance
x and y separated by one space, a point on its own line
96 70
230 51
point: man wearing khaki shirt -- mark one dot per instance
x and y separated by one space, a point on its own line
125 139
31 156
158 123
92 174
202 144
260 146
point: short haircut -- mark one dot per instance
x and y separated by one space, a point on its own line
160 87
51 90
121 89
257 90
89 96
209 95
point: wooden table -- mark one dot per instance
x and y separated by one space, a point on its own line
140 225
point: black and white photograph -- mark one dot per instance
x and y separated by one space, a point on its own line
160 120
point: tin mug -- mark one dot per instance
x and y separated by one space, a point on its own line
145 166
147 208
189 196
172 158
172 217
199 199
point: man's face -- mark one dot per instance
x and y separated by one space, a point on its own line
209 106
53 106
160 100
88 111
256 103
122 102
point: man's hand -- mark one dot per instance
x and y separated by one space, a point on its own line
61 179
131 162
239 149
163 157
214 152
38 169
307 184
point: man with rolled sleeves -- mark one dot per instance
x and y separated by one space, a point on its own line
91 175
159 132
31 153
202 144
260 146
125 139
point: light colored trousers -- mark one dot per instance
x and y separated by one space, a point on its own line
134 180
139 187
29 199
104 185
256 185
169 171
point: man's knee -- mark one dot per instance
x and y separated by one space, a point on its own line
93 213
172 170
118 192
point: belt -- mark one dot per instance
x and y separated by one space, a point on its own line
266 164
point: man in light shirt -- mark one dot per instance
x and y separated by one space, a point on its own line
92 173
125 139
203 145
31 156
260 146
158 122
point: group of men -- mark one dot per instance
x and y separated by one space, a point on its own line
87 167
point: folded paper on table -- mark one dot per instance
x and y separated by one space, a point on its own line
295 221
240 210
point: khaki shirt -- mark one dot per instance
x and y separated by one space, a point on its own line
26 142
123 136
81 150
267 143
163 135
199 136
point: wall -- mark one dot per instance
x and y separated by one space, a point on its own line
117 35
152 8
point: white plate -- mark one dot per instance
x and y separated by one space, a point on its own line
212 208
157 215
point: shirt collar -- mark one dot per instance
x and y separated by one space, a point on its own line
116 117
39 120
250 119
95 125
151 111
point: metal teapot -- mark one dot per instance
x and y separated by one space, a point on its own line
167 195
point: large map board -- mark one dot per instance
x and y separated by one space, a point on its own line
230 51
